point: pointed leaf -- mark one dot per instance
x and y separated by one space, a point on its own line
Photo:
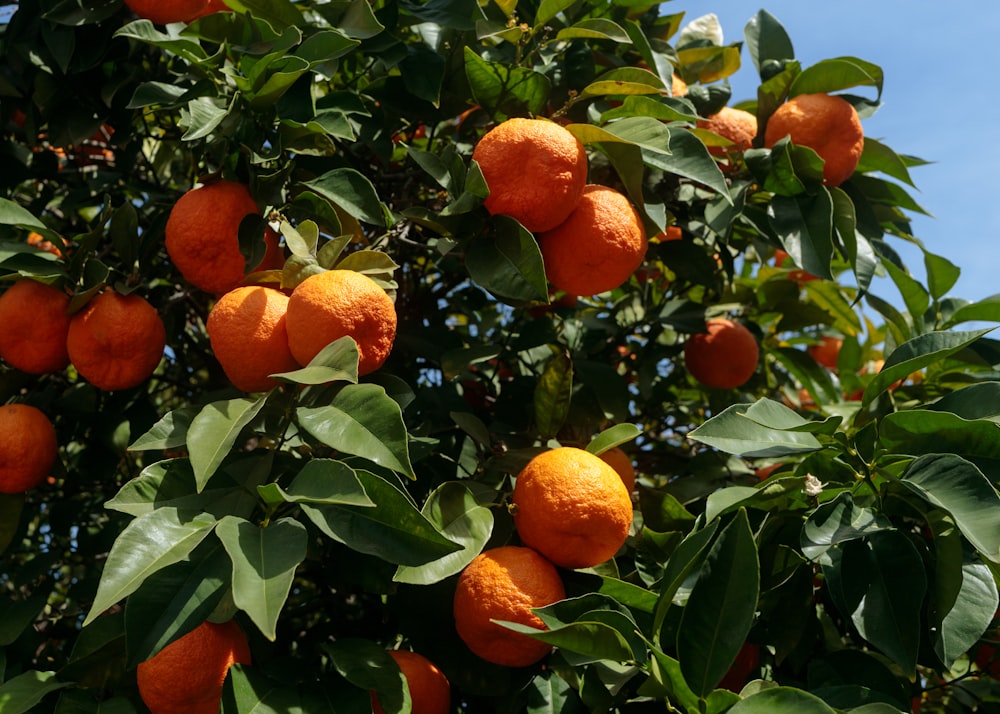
20 694
337 362
352 191
213 432
734 432
553 393
325 481
504 90
612 437
782 700
836 522
170 432
507 262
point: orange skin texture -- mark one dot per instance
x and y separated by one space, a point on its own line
340 303
116 341
163 12
28 449
827 124
723 357
202 236
671 233
736 125
35 325
826 352
430 692
246 328
38 241
616 458
535 170
505 583
186 676
572 507
598 246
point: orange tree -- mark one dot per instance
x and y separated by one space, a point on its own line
331 516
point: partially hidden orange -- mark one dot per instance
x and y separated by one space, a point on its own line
598 246
535 170
33 327
572 507
202 236
28 447
246 329
116 341
826 351
186 676
724 356
735 125
163 12
341 303
505 583
827 124
616 458
430 692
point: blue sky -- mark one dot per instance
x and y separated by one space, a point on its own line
938 103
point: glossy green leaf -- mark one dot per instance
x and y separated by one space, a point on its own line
325 481
756 430
665 671
337 362
597 28
836 522
214 431
503 90
977 401
364 421
782 700
832 75
594 640
858 249
804 225
915 296
720 611
170 432
548 9
507 262
264 560
187 48
985 310
553 393
249 690
969 616
279 13
613 436
461 518
960 488
20 694
708 64
877 157
370 668
922 431
352 191
687 156
148 544
175 600
942 274
17 615
393 529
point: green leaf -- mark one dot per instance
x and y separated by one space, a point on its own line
148 544
280 14
598 28
960 488
804 225
553 393
915 296
687 156
977 401
832 75
507 262
548 9
12 214
337 362
187 48
504 91
11 506
756 430
837 522
918 353
170 432
966 620
767 41
454 510
720 610
352 191
922 431
393 529
17 615
364 421
593 640
942 275
175 600
666 672
369 667
264 562
782 700
985 310
612 437
214 430
325 481
20 694
877 157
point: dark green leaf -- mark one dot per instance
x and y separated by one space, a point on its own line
352 191
170 432
767 41
832 75
804 225
507 262
337 362
922 431
553 393
20 694
213 432
837 522
505 91
765 431
782 700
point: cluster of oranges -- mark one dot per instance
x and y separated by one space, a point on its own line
571 509
590 236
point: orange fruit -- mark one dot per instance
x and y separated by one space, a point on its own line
163 12
616 458
671 233
827 124
186 676
535 170
598 246
430 692
28 447
116 341
38 241
213 6
571 507
826 352
340 303
34 326
678 87
505 583
246 328
724 356
783 260
202 236
736 125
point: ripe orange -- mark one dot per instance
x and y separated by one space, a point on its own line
598 246
678 87
723 357
505 583
202 236
783 260
826 352
616 458
338 303
671 233
827 124
28 447
737 125
166 11
247 331
38 241
116 341
186 676
33 327
535 170
430 692
571 507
